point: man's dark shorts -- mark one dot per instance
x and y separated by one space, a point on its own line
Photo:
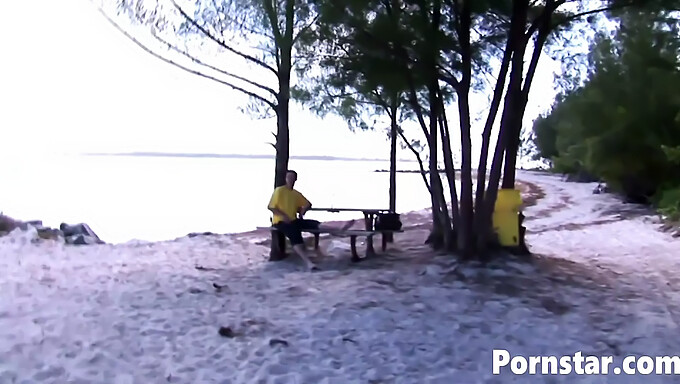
293 230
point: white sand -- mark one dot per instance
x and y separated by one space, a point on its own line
142 313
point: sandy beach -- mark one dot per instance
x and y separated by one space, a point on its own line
603 281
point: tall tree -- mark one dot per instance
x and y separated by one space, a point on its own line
623 122
251 46
440 47
359 89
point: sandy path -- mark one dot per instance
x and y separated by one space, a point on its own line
143 313
600 231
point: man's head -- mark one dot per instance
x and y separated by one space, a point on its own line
291 177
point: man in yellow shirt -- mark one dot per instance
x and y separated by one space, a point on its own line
289 207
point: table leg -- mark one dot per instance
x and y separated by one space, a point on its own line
370 251
369 219
353 244
384 241
316 241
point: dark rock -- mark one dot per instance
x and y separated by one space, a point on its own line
196 234
80 240
49 233
227 332
77 229
601 188
274 342
79 234
555 306
202 268
8 224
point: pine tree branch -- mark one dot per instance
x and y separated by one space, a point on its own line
222 43
197 61
187 69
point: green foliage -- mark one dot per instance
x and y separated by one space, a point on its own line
622 125
669 203
673 154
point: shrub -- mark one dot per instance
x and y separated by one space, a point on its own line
668 203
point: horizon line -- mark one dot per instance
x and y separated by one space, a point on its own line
233 155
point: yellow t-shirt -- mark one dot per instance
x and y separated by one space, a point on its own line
287 200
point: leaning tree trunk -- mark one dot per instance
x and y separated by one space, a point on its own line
423 172
512 149
435 189
450 173
438 225
444 235
488 127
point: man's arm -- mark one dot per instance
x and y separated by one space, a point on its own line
305 205
305 208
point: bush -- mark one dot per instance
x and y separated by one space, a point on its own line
668 203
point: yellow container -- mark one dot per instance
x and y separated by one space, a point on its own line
506 217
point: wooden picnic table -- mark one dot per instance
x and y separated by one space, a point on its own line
353 234
369 232
369 214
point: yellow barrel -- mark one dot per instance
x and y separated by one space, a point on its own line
506 217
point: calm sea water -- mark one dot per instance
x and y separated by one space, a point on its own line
159 198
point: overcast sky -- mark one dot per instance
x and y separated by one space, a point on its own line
71 83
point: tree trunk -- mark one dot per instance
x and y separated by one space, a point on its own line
278 243
450 173
393 158
436 238
512 147
282 143
514 140
423 172
441 236
393 163
488 127
466 232
518 47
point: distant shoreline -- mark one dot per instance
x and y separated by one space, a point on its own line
409 171
233 156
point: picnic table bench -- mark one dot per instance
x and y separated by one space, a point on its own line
369 232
